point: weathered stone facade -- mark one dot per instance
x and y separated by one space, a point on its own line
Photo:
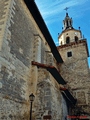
21 42
75 69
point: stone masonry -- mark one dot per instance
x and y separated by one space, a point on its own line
75 69
22 42
77 72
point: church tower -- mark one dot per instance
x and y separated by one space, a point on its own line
74 52
69 34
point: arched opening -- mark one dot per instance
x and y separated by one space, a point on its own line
67 40
67 23
76 39
61 42
70 23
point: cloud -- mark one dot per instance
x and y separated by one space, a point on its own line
52 9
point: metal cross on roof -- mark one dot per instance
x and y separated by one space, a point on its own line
66 8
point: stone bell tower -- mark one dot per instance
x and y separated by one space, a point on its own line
75 70
69 34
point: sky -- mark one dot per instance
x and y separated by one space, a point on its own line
53 14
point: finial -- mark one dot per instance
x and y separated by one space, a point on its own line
66 8
79 28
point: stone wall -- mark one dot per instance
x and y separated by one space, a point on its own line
21 42
75 66
15 63
4 5
17 44
49 100
75 71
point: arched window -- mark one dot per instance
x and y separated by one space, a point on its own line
70 23
67 23
61 42
67 40
76 38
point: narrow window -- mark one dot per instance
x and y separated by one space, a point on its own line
61 42
67 40
76 39
69 54
67 23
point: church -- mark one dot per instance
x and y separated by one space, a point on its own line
39 80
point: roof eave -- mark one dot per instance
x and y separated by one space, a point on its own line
41 24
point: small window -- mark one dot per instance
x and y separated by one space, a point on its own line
69 54
67 23
67 40
76 39
61 42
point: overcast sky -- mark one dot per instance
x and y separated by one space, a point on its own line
53 14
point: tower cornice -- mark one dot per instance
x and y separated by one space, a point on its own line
67 30
74 44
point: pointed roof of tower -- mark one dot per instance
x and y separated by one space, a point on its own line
68 25
67 22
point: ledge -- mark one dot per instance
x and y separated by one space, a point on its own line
54 72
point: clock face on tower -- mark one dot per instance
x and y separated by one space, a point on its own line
75 33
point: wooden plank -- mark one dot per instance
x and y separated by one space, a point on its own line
47 117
